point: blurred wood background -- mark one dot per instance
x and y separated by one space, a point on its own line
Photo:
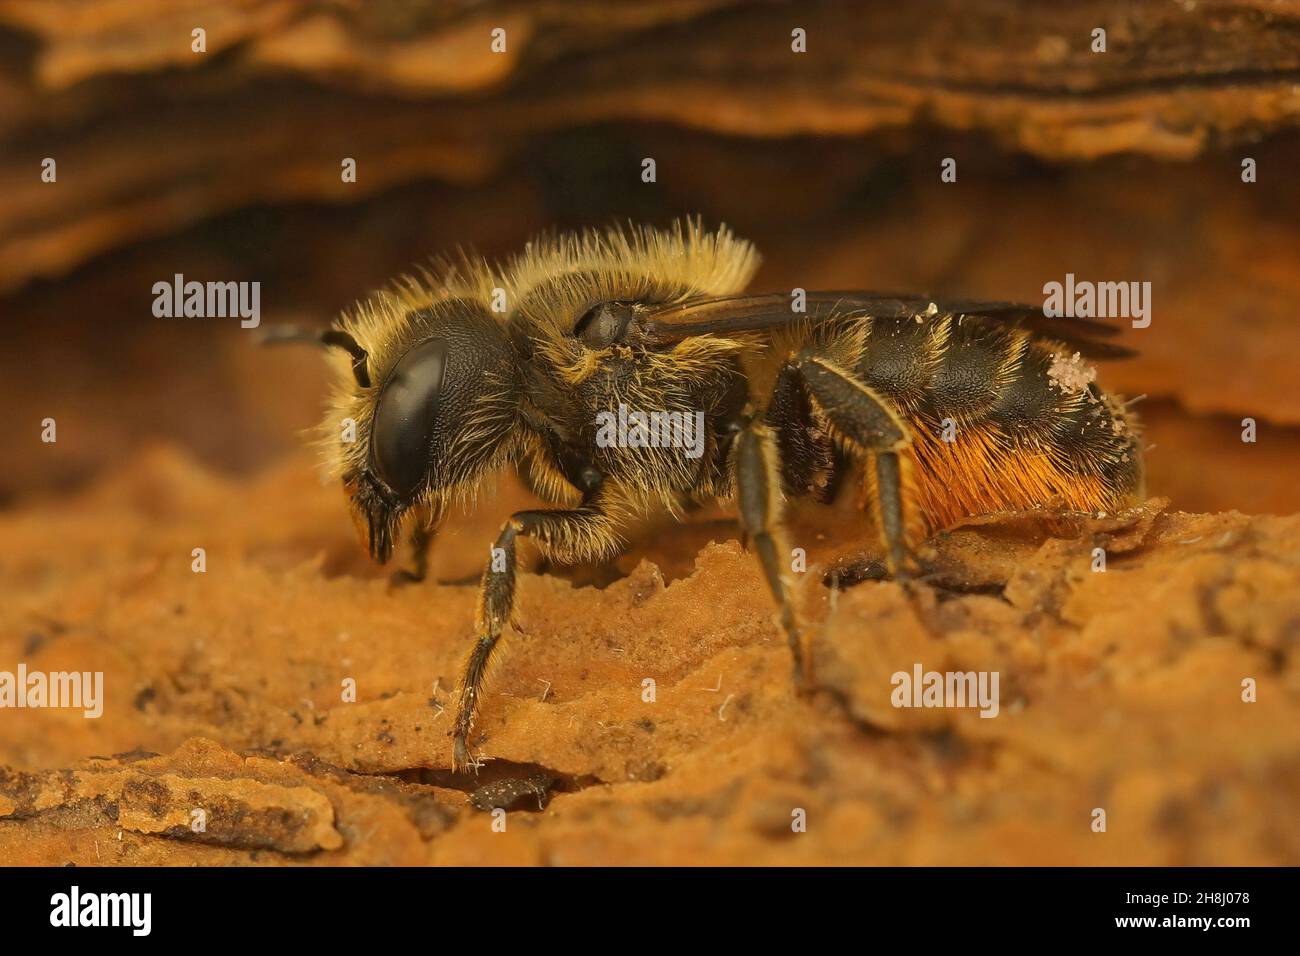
1115 166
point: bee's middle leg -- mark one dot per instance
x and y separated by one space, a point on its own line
758 496
560 534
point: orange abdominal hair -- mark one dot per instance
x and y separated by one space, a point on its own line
983 472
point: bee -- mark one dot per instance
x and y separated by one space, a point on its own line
947 409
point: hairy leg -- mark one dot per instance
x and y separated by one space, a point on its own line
424 528
875 432
563 535
758 495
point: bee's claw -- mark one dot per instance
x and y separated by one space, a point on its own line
916 567
801 674
460 761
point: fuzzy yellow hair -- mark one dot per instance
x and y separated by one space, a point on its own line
546 288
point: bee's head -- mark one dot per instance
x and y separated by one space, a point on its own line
441 408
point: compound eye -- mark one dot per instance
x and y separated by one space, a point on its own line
405 415
604 324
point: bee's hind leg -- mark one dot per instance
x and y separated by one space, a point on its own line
889 511
562 534
875 432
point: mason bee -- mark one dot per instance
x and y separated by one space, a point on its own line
948 409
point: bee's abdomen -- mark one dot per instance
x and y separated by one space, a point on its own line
979 374
972 370
956 368
900 359
1000 420
1028 406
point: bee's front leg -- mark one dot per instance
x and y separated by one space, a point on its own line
585 532
424 528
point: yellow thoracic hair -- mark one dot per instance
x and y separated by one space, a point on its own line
546 288
557 278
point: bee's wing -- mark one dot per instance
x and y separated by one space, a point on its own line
756 313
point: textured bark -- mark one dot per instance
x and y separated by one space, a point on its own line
1120 690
